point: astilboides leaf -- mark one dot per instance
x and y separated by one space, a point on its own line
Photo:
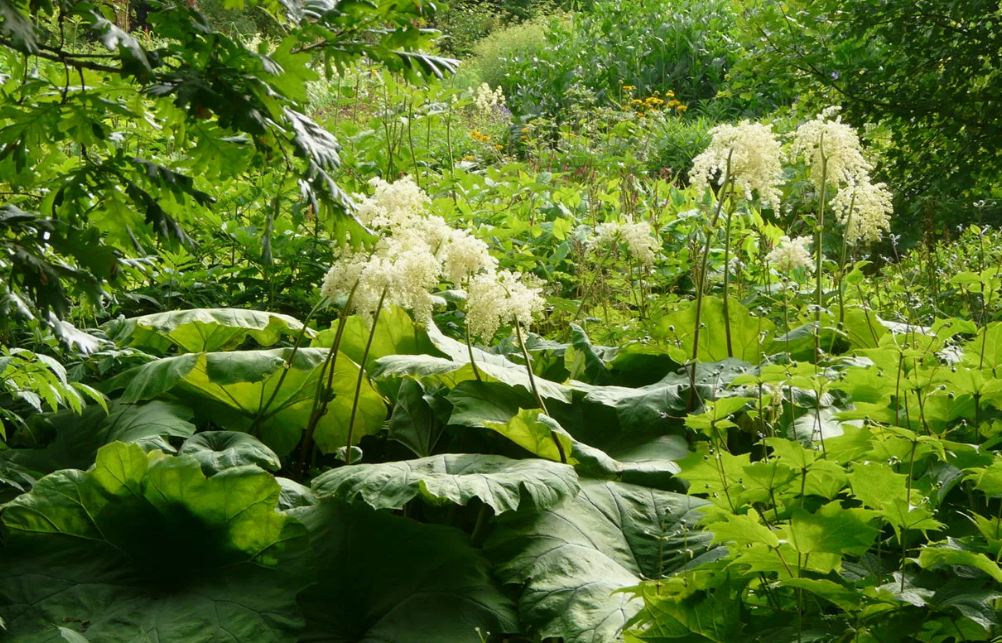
501 483
571 559
203 329
219 450
387 579
395 333
78 437
535 432
750 334
451 373
144 546
233 388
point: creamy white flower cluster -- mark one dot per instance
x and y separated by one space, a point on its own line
826 142
500 298
834 154
638 236
790 254
414 253
487 100
864 209
392 204
750 152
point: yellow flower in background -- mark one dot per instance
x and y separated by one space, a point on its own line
468 158
682 108
674 103
640 114
628 88
670 94
499 147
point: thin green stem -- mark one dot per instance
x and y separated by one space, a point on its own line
361 378
727 273
598 273
701 282
285 371
321 398
535 391
818 243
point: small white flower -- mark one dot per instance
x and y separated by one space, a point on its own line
790 254
488 101
465 256
603 235
638 237
641 243
755 160
501 298
392 204
871 206
826 142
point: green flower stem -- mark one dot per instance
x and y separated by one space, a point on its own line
261 414
361 378
727 274
841 266
598 273
321 398
818 240
469 349
701 283
469 344
535 391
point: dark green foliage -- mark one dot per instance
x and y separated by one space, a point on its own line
928 71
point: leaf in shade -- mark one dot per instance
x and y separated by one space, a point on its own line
92 546
79 437
232 388
389 579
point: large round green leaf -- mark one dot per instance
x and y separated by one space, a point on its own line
143 547
78 437
500 482
233 388
750 335
451 373
203 329
219 450
395 333
387 579
572 559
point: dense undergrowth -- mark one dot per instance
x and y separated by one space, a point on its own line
304 354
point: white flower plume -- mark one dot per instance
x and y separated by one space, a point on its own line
755 161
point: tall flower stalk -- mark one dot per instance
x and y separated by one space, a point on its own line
413 254
503 298
747 157
361 376
325 385
834 156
